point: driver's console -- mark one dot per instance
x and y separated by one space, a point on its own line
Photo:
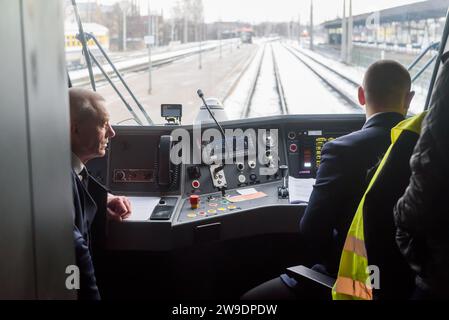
192 199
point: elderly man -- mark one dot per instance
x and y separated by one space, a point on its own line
90 132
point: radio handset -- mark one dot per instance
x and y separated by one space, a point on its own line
164 174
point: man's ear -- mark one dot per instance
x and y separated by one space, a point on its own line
73 128
408 99
411 95
361 95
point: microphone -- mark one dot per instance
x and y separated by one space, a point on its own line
218 169
201 95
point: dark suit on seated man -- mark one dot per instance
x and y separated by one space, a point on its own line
90 132
342 176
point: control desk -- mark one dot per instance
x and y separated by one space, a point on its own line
178 204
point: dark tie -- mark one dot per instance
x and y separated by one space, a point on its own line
85 177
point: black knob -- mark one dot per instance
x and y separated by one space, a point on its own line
253 177
119 175
284 171
194 172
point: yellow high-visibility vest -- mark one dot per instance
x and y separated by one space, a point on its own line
353 281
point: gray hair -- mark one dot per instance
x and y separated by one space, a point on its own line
84 104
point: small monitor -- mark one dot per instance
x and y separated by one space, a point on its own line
171 110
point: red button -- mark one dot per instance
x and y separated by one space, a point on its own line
195 184
293 147
194 201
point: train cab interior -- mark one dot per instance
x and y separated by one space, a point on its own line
200 229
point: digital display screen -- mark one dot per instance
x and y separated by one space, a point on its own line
171 110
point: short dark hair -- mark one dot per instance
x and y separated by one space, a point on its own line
386 84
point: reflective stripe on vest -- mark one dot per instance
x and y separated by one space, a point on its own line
353 281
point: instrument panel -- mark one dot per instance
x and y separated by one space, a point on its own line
304 150
205 196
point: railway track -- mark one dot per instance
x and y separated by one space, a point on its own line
339 83
283 107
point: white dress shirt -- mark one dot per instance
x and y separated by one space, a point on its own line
77 166
374 115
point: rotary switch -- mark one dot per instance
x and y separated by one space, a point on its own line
119 175
194 172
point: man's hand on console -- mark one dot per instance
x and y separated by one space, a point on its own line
119 208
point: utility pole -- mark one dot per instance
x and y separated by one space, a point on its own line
350 32
156 30
200 66
219 37
124 5
343 34
124 30
89 11
150 63
311 25
186 26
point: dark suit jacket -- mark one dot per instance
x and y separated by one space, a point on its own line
396 278
86 205
340 184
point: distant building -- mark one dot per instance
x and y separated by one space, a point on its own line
73 47
416 24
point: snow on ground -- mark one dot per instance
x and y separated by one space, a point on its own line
83 73
265 101
356 73
305 92
235 102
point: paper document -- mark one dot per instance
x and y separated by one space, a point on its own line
246 197
300 189
142 207
246 191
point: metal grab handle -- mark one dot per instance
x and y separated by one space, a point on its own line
90 36
84 37
433 46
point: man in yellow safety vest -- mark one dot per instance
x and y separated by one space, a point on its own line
371 266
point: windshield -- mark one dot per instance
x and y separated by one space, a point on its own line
252 58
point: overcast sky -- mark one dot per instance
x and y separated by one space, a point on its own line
275 10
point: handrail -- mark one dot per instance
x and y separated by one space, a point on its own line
420 72
84 37
90 36
136 118
433 46
83 41
438 62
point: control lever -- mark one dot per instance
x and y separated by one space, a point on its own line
283 190
217 172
